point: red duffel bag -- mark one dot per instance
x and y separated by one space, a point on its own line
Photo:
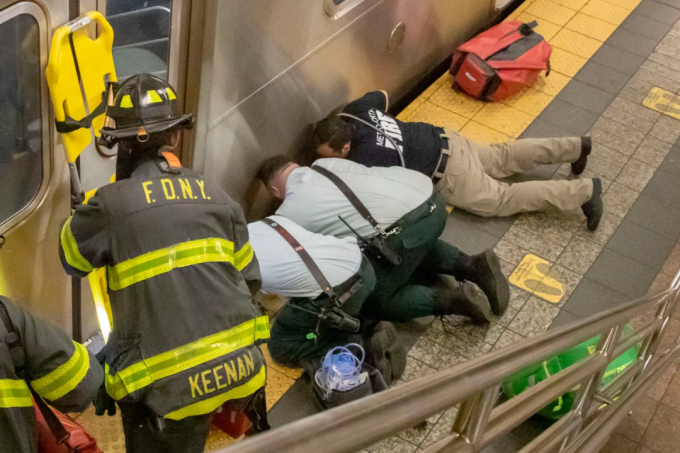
498 63
58 433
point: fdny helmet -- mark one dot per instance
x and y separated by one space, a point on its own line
143 105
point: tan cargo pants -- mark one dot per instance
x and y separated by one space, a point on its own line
469 180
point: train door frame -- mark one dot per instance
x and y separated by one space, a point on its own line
178 56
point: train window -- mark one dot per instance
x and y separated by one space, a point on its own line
23 162
142 36
338 8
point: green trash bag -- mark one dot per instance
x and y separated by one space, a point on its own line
532 375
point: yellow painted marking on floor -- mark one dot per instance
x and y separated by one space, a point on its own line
544 28
532 275
456 102
551 11
504 119
658 99
293 373
412 107
431 113
277 384
572 4
591 26
552 84
576 43
566 63
483 134
529 101
605 11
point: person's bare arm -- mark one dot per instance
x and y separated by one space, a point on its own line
387 99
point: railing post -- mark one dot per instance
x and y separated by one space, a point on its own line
471 420
585 394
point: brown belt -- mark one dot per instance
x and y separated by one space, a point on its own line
443 158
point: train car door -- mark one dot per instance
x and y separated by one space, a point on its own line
34 185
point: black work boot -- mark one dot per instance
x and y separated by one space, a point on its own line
485 271
578 166
464 299
593 207
385 353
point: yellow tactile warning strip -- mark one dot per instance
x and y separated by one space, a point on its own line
531 276
663 101
575 28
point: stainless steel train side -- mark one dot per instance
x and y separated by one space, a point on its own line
257 73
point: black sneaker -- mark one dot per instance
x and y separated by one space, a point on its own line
580 165
485 271
593 208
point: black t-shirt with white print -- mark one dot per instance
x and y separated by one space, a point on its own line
420 142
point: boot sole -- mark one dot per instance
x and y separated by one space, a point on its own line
499 305
384 350
479 309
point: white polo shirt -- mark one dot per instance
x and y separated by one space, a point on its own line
284 272
388 193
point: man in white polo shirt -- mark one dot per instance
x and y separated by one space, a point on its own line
307 327
401 237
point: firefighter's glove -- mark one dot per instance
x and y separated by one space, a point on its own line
104 403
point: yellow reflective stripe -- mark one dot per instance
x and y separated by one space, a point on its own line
15 393
171 94
126 102
152 97
143 373
184 254
66 377
244 256
206 406
71 252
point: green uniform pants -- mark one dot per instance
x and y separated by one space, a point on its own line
290 335
397 295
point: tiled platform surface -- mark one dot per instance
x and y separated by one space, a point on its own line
608 55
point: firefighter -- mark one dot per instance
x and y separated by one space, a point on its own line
181 276
398 217
465 172
38 353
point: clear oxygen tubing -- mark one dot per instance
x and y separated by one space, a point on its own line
396 147
340 369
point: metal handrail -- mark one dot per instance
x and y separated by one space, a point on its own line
475 386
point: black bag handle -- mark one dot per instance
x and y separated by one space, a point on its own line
18 355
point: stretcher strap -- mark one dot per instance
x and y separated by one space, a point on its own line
70 124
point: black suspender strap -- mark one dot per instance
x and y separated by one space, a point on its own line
351 196
18 355
305 257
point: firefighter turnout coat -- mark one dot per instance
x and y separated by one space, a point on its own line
63 372
181 274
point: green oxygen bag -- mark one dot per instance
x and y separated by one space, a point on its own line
532 375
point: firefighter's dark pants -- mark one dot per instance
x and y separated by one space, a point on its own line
292 337
178 436
397 296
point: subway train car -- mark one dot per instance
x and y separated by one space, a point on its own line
256 73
